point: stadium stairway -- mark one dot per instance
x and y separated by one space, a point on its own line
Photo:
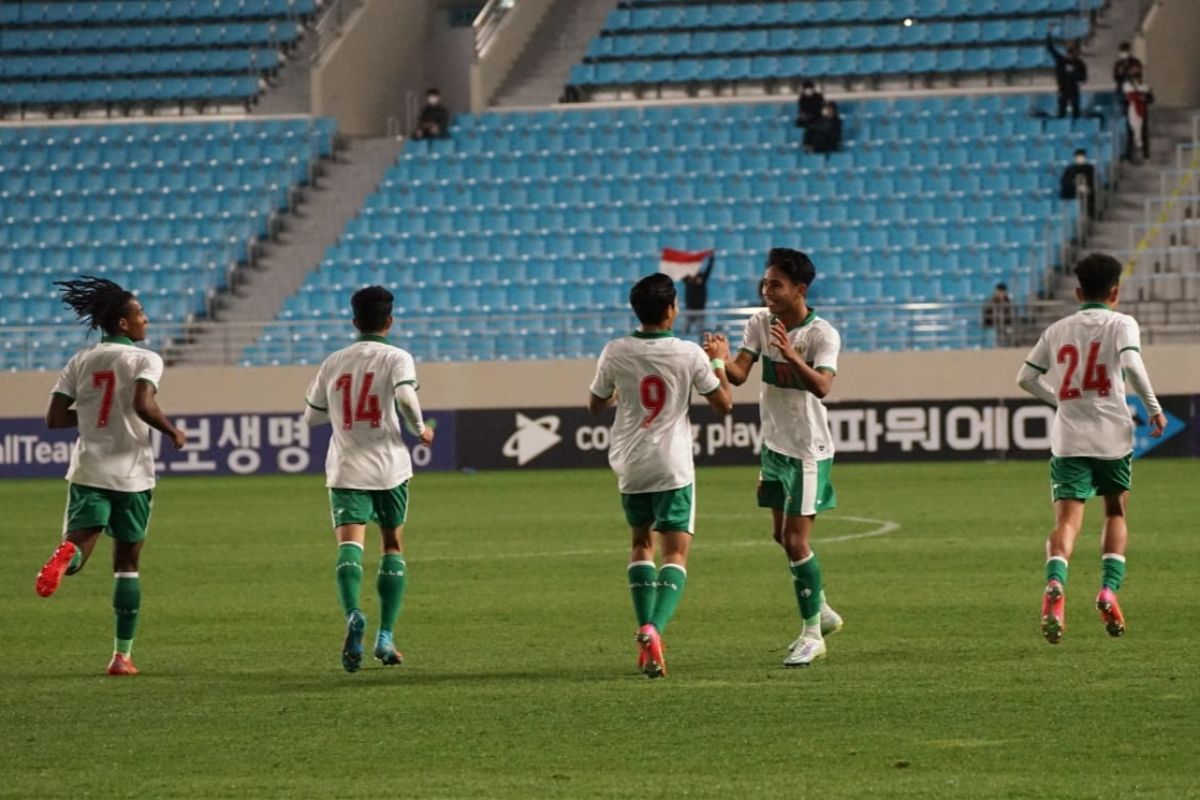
314 226
540 74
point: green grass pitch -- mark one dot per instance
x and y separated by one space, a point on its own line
521 677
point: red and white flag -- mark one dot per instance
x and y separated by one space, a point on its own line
679 264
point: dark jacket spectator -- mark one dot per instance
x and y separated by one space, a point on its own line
824 135
434 122
1079 174
810 105
1069 72
695 297
998 314
1126 61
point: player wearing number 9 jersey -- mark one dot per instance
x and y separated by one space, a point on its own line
1080 365
362 390
649 375
108 392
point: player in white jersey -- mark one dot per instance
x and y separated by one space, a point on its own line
1081 365
107 392
362 390
649 376
799 351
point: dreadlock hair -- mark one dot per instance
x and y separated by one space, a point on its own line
97 302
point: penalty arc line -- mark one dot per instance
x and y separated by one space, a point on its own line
883 527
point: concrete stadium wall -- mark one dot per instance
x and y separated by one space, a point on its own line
869 377
366 75
1168 44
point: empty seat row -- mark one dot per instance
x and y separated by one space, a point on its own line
109 11
131 37
125 90
146 63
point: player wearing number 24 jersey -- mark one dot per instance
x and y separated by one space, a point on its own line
362 390
649 376
108 391
1080 365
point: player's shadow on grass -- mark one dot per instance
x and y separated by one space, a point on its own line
324 679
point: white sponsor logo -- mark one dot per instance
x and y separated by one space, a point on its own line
532 438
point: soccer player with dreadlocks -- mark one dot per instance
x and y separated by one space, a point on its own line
107 391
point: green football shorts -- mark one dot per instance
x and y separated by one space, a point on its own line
1078 477
388 507
125 516
671 511
797 487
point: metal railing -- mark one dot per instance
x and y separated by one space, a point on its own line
487 24
330 25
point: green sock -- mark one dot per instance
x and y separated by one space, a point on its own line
1056 570
76 561
806 580
1113 567
390 583
643 585
349 575
127 599
671 580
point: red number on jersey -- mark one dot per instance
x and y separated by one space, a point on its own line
1095 376
367 409
106 379
654 397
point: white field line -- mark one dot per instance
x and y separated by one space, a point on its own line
883 527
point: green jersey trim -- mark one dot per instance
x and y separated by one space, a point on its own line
1090 306
1131 347
652 334
412 382
753 355
313 405
147 380
1042 370
116 340
63 395
370 337
830 370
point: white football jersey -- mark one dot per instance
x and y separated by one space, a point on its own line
794 422
356 386
1081 358
653 375
113 450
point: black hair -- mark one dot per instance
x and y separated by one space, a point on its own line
372 306
1080 151
97 302
651 297
433 90
808 85
793 263
1098 274
1002 286
1123 46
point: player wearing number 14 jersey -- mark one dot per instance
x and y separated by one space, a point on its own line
1080 365
649 375
362 390
107 392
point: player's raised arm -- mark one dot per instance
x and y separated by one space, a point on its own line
719 398
818 378
737 369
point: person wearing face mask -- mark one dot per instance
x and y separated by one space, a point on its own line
1138 99
434 122
810 105
1126 61
1070 72
1079 178
824 134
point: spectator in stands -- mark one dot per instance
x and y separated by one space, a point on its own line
810 105
1069 72
998 314
1079 180
1138 99
1126 61
824 135
695 298
434 122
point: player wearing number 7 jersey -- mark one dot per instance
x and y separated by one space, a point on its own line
649 375
362 390
107 391
1080 366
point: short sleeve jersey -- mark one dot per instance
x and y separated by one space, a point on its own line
114 449
794 422
653 374
1081 358
356 386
